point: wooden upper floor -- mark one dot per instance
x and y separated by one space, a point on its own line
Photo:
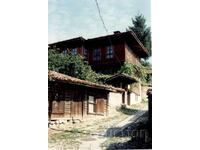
106 50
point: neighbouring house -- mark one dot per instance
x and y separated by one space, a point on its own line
105 54
71 97
126 82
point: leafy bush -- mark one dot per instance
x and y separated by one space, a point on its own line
137 71
72 65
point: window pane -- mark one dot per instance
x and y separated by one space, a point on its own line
91 99
109 52
74 51
91 104
97 54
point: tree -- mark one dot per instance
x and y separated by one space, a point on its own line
55 61
142 31
72 65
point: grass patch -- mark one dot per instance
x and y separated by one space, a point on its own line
68 137
127 111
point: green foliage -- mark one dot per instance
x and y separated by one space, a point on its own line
148 79
142 31
72 65
137 71
75 66
101 78
127 111
127 68
55 61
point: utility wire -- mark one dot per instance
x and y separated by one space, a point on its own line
99 11
101 18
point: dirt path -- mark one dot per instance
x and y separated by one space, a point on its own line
95 142
89 135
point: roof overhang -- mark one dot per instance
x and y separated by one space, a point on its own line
135 44
121 78
55 76
69 43
129 37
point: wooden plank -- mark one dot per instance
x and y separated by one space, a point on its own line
77 104
100 105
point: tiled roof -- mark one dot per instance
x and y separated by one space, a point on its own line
52 75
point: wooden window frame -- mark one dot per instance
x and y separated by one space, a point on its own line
74 51
93 103
109 52
97 54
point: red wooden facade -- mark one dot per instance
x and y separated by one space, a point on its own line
125 47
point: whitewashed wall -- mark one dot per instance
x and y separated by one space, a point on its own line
134 99
115 99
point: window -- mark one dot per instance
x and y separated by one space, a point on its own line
74 51
109 52
91 104
97 54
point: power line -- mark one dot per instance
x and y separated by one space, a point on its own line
101 18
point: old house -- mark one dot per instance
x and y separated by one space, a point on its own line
71 97
131 94
106 54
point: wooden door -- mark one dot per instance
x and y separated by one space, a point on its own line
77 104
68 101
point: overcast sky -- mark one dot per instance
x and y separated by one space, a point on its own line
73 18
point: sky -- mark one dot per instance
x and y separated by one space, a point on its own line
73 18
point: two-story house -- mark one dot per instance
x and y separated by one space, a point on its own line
106 54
